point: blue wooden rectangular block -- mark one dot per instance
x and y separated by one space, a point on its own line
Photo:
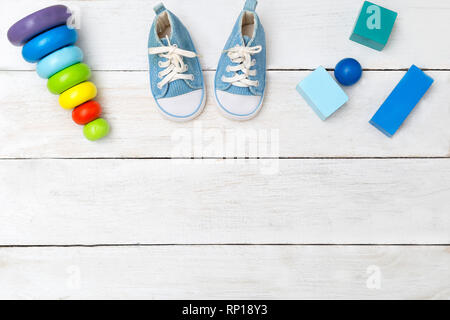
402 100
322 93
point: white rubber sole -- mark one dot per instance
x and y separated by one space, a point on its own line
179 119
238 118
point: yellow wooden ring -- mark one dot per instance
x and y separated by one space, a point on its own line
78 95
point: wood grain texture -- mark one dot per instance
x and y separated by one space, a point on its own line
311 212
33 125
301 34
59 202
225 272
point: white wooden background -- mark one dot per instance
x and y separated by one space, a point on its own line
327 208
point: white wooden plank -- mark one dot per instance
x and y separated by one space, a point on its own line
225 272
301 34
33 125
234 201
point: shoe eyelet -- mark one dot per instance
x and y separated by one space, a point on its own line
223 78
228 69
160 64
159 87
257 83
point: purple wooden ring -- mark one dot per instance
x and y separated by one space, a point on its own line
36 23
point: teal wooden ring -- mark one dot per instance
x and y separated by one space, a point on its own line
48 42
59 60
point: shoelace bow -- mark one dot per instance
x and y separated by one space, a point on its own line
243 57
175 66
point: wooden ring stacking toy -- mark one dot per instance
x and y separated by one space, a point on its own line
47 39
48 42
58 61
36 23
68 78
78 95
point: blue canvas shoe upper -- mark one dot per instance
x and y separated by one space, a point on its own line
241 74
176 78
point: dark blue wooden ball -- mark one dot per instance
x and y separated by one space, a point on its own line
348 71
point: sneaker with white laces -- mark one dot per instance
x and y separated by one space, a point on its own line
241 74
176 78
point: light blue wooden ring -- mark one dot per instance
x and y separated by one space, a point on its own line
59 60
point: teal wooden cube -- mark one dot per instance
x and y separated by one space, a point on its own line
374 26
322 93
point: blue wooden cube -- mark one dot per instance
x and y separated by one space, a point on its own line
374 26
394 111
322 93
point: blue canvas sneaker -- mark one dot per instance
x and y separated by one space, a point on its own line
241 74
176 78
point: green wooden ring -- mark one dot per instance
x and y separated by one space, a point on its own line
68 78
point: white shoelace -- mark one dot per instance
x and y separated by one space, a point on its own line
243 57
175 66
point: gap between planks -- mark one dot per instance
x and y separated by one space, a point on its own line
133 245
235 158
268 70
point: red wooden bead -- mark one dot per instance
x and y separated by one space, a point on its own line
87 112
